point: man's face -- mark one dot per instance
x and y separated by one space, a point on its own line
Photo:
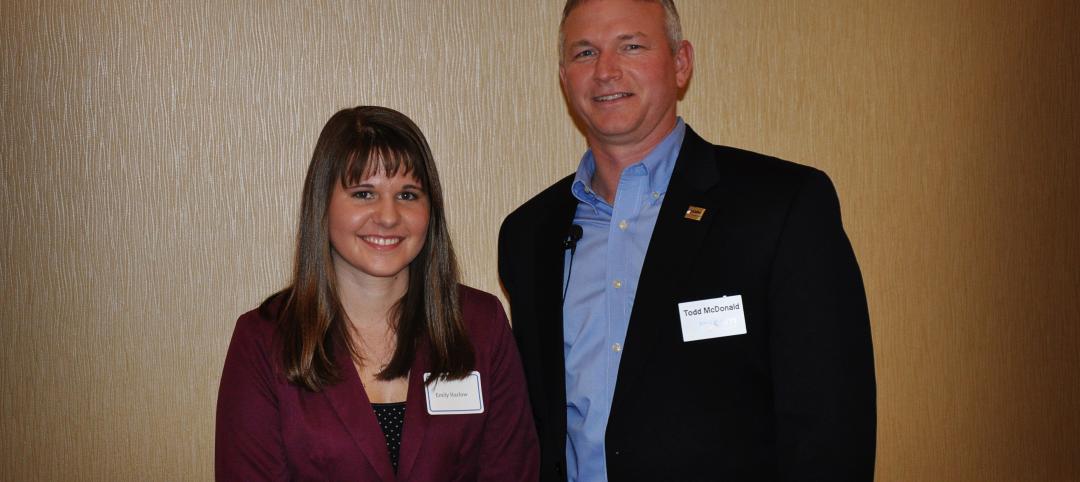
619 73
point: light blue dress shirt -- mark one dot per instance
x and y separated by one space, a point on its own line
600 287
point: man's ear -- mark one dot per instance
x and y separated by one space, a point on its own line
684 63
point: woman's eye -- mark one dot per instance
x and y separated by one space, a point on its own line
363 194
408 196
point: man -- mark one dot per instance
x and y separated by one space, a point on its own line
684 311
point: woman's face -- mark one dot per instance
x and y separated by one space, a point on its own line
377 227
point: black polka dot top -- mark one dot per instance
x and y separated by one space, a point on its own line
391 418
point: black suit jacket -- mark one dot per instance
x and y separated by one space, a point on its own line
792 399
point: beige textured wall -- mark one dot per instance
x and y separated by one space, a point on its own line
152 156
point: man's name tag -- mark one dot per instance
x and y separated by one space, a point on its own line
712 318
454 397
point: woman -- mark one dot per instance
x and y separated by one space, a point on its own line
326 379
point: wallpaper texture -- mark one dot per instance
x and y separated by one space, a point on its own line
153 153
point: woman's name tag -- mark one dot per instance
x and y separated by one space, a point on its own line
454 397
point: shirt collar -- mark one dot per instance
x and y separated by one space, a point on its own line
657 166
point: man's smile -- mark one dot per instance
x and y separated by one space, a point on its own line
611 97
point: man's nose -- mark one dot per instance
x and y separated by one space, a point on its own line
607 67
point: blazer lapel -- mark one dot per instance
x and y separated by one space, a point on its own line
414 432
351 403
676 239
550 263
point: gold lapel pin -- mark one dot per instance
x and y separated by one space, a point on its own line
694 213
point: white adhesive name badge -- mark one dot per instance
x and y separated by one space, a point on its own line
712 318
454 397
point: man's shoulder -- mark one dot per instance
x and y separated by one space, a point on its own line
764 182
552 198
750 163
746 164
753 171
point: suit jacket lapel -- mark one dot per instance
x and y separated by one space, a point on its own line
414 432
351 403
675 241
550 264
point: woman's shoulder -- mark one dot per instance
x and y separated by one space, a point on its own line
482 311
254 352
475 298
260 324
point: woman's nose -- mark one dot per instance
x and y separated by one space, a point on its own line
386 212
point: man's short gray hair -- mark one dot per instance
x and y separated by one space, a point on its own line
671 23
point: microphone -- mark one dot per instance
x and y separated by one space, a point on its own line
572 238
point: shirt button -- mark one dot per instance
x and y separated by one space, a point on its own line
617 284
616 348
655 195
623 225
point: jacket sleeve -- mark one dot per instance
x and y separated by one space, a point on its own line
821 353
248 434
509 449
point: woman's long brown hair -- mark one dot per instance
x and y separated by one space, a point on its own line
310 315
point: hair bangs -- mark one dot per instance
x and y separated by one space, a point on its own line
382 153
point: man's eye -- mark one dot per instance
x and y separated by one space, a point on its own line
634 47
584 53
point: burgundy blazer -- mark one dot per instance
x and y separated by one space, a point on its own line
269 429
